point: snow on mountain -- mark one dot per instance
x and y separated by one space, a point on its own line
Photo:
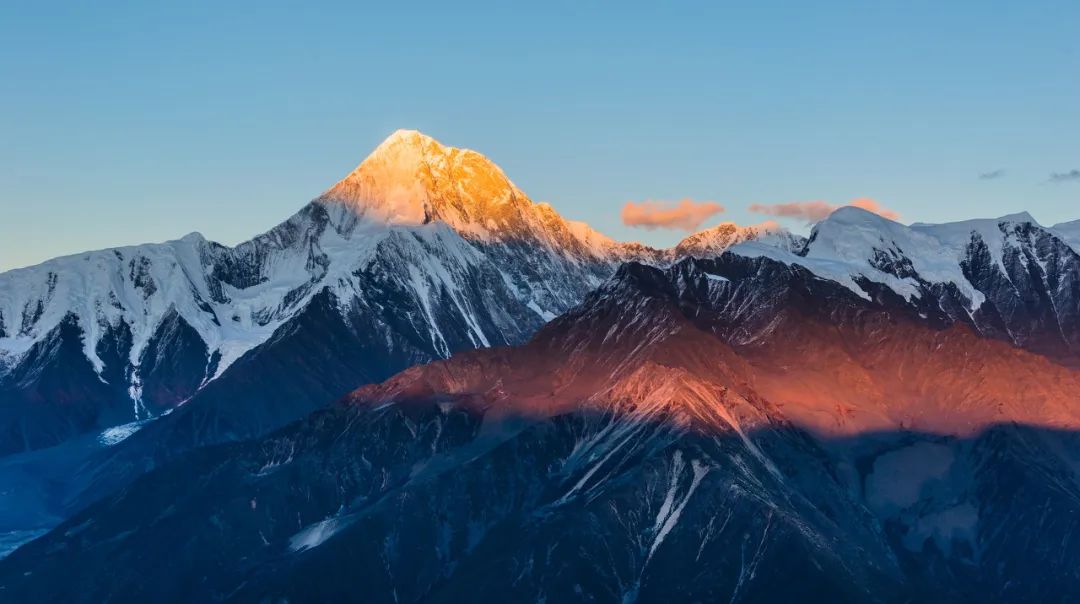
853 243
1008 276
715 240
136 284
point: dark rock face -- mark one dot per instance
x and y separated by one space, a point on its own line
1034 297
426 504
173 365
53 393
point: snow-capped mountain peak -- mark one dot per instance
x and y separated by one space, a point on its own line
412 179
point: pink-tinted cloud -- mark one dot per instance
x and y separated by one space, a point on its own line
814 211
871 205
686 214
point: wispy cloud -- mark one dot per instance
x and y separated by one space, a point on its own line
685 214
992 174
814 211
1070 176
810 211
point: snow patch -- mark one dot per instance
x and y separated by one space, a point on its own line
118 434
316 534
546 315
673 505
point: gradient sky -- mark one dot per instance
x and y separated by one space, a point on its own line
131 122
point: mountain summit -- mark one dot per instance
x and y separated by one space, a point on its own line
412 179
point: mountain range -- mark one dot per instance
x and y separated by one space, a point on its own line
422 251
877 412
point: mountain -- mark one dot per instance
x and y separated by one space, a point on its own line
423 250
114 361
735 429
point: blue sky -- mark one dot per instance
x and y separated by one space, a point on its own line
131 122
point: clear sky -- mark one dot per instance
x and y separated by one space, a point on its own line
131 122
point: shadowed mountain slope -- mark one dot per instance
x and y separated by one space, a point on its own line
735 429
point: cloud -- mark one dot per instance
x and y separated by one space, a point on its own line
1070 176
815 211
871 205
686 214
992 174
810 211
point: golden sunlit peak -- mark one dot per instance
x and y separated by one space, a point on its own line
405 136
411 178
411 149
